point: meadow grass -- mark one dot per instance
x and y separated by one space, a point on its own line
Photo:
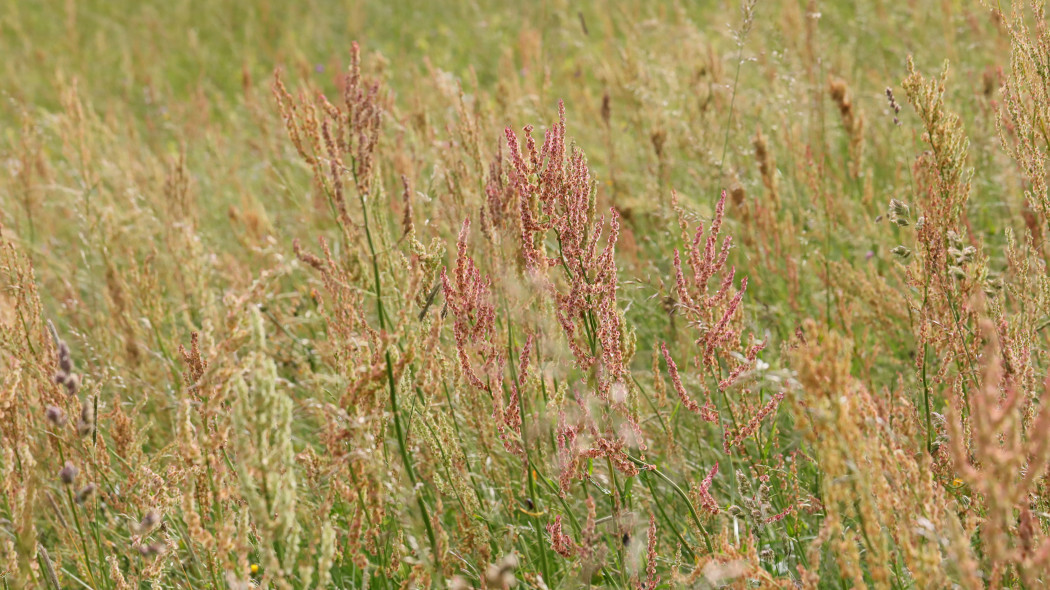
554 295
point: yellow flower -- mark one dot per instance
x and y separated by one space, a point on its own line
255 568
957 482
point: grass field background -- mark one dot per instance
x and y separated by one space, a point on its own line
276 311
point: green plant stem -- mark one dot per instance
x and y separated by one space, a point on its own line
681 494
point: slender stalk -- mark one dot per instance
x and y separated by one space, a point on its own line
681 494
405 459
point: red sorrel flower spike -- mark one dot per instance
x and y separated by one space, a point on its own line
707 502
676 381
471 305
561 542
652 579
555 194
754 423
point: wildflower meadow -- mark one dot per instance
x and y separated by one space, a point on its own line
633 295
